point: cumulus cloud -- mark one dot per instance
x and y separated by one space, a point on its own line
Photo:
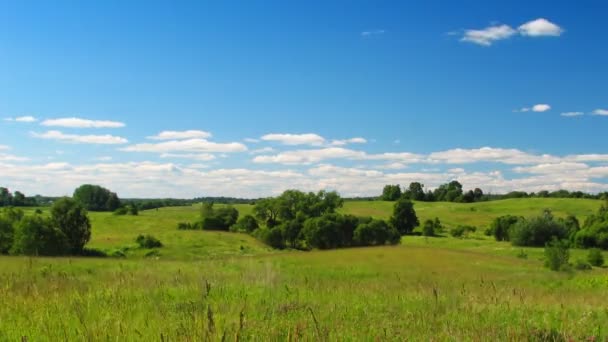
189 145
200 156
600 112
489 154
295 139
488 35
177 135
5 157
540 27
536 28
105 139
357 140
539 108
305 157
73 122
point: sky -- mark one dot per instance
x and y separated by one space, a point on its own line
247 99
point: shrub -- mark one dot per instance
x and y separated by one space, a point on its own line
500 227
462 231
595 257
375 232
148 241
121 211
404 217
582 265
537 231
37 235
93 252
557 254
117 254
246 224
71 218
184 226
273 237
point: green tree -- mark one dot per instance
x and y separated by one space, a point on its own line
37 235
6 198
557 254
375 232
267 211
391 192
537 231
404 217
415 192
428 228
246 224
96 198
71 218
501 225
19 199
595 257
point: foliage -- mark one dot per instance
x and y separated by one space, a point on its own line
246 224
218 219
432 227
557 254
8 219
537 231
415 192
148 241
462 231
37 235
449 192
391 192
595 257
582 265
404 217
96 198
501 225
374 233
594 232
71 218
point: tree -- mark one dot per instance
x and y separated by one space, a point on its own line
267 210
322 232
557 254
37 235
6 198
501 225
478 194
415 192
71 218
9 217
428 229
404 217
247 224
391 192
19 199
375 232
96 198
449 192
537 231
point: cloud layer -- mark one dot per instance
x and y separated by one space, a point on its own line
487 36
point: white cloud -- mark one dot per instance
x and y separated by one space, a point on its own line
4 147
393 166
27 118
104 158
262 150
315 156
489 154
295 139
81 123
177 135
251 140
488 35
190 145
540 27
572 114
105 139
201 156
600 112
357 140
372 33
539 108
552 168
5 157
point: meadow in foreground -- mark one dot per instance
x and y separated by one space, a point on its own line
226 286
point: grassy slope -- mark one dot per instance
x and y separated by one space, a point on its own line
483 291
479 214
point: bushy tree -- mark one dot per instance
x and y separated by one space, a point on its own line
595 257
557 254
246 224
404 217
415 191
375 232
537 231
594 232
323 232
6 198
96 198
449 192
391 192
37 235
71 218
218 219
148 241
499 228
462 231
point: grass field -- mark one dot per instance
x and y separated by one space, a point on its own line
224 286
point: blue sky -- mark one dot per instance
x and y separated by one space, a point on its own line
257 97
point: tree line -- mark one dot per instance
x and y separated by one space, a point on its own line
300 220
453 192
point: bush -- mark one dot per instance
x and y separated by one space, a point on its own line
121 211
184 226
71 218
374 233
595 257
557 255
582 265
537 231
96 198
246 224
273 237
92 252
148 241
500 227
117 254
431 227
37 235
462 231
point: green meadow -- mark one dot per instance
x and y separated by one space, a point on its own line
221 286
